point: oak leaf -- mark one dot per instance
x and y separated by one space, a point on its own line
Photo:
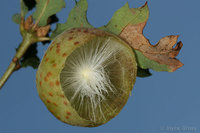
77 18
128 23
162 53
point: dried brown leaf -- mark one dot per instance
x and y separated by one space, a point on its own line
162 53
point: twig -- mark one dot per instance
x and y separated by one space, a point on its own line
7 74
29 37
28 40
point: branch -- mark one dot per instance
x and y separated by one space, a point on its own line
14 65
8 72
28 39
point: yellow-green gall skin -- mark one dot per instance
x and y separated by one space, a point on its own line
49 85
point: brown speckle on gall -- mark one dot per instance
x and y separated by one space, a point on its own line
46 59
68 113
62 95
76 43
41 75
54 65
49 74
55 104
64 55
51 84
48 101
43 95
65 102
57 83
51 111
70 38
46 79
50 94
51 48
57 51
40 83
58 45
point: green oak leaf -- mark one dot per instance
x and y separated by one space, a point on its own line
45 9
16 18
30 58
125 16
26 5
77 18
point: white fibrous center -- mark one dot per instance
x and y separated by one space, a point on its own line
86 76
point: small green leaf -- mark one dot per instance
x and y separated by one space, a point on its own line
16 18
30 58
125 16
143 72
26 5
47 8
77 18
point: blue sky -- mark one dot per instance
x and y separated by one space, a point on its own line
164 102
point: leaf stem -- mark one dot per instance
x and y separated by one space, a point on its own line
27 41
